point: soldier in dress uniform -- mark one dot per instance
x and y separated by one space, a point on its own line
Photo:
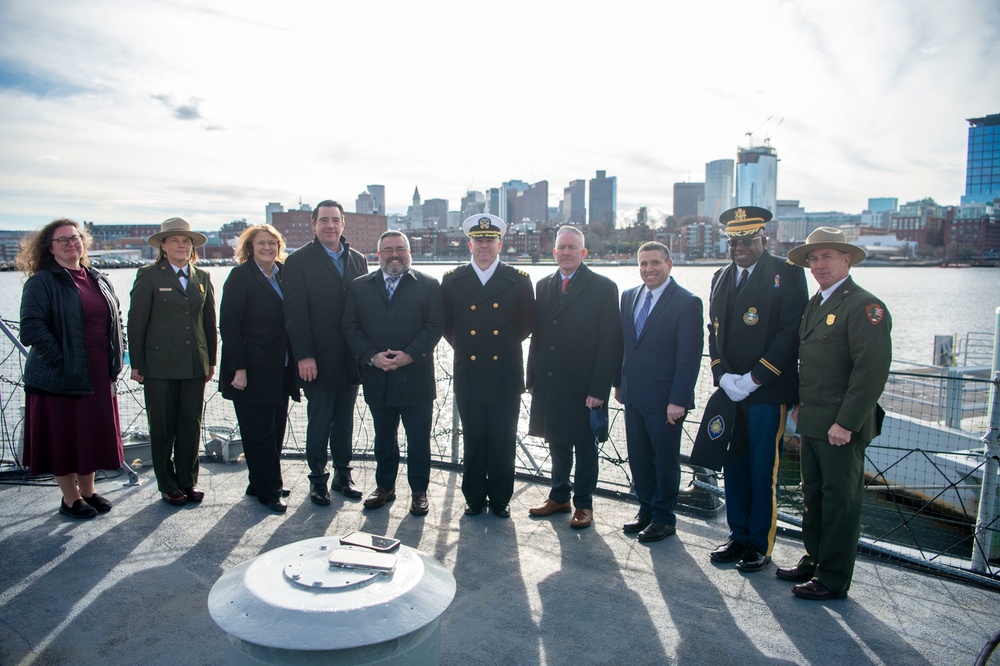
753 338
489 312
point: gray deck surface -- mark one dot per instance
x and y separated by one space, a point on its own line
131 587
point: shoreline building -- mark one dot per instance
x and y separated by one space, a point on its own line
719 188
603 199
574 203
757 177
982 169
688 198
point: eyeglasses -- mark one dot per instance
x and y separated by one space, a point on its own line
744 242
389 251
76 239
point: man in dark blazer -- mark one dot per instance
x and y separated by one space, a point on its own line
317 278
489 311
575 353
172 344
845 349
663 330
393 321
753 321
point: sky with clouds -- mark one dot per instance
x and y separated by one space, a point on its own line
132 112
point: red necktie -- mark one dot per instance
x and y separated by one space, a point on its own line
565 284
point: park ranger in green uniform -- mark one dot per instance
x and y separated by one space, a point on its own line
845 350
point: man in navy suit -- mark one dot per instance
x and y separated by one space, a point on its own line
393 320
663 328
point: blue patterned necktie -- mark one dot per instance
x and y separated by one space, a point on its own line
390 286
643 313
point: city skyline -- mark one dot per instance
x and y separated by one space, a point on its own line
134 113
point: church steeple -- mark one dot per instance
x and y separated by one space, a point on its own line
416 196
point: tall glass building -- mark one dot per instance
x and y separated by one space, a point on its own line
603 199
757 177
719 188
982 169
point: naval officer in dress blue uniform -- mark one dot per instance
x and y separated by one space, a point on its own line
489 312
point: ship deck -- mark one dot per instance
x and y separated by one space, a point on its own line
132 586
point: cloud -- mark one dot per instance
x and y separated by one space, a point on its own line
187 111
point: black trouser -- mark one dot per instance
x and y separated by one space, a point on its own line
262 428
329 431
490 434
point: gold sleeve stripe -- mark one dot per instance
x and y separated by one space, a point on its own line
770 367
715 363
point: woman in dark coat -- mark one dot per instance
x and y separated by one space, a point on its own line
71 321
258 371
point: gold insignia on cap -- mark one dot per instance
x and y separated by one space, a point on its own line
740 215
484 223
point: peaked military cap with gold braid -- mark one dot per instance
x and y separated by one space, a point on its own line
744 220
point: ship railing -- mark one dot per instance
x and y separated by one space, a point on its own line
924 474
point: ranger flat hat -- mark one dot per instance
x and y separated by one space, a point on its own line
484 226
825 238
176 226
744 220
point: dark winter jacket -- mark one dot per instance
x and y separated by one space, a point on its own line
52 325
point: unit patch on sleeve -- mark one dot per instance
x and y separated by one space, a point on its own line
875 313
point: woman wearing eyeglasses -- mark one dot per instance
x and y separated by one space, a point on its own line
71 321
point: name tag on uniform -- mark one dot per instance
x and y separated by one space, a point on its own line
166 288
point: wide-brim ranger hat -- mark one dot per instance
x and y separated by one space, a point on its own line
484 226
176 226
744 220
825 238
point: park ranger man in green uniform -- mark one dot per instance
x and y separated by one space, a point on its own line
845 349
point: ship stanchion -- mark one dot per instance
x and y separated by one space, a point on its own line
986 545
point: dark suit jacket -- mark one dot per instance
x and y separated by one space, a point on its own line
411 322
762 327
486 325
844 357
661 367
171 332
315 297
575 352
252 325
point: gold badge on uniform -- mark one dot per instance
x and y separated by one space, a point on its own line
830 318
202 287
750 317
716 325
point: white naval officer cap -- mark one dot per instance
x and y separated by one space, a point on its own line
484 226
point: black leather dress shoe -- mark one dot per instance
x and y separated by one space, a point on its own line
730 551
640 523
816 591
277 505
175 498
418 504
752 560
80 509
192 494
656 531
285 492
99 503
344 484
379 497
798 574
500 510
319 494
473 509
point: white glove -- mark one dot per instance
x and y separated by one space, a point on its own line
746 384
728 384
